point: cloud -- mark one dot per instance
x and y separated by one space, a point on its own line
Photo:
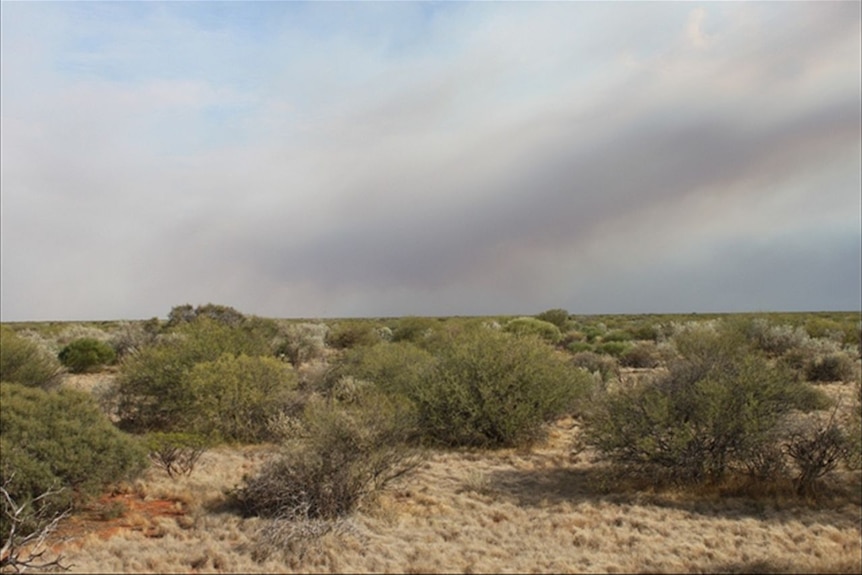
305 159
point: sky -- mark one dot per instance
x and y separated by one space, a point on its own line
371 159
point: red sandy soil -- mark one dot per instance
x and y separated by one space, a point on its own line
132 514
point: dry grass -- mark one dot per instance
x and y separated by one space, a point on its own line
508 511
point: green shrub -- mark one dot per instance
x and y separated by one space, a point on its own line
234 397
642 355
831 367
613 348
606 366
577 347
348 334
153 391
713 411
83 355
302 342
645 332
491 388
616 335
559 317
532 326
24 362
414 329
60 439
225 315
399 367
350 451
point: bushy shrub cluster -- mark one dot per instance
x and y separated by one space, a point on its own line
533 326
219 313
130 337
87 354
23 361
414 329
352 333
832 367
154 389
302 342
59 439
718 408
605 366
234 397
558 316
644 354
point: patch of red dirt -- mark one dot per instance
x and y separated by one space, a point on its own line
111 515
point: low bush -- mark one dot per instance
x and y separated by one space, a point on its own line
176 453
644 354
533 326
353 333
414 329
400 367
23 361
775 340
233 397
613 348
130 337
60 439
616 335
715 410
816 450
606 366
153 392
831 367
222 314
302 342
84 355
491 388
559 317
348 452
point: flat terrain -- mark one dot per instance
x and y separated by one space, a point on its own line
546 509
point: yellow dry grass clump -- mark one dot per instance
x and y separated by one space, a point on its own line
543 510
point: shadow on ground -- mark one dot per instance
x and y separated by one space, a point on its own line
542 487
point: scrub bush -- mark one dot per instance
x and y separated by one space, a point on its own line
831 367
302 342
400 367
414 329
559 317
532 326
717 409
606 366
642 355
60 439
349 451
84 355
176 453
354 333
23 361
153 390
234 397
491 388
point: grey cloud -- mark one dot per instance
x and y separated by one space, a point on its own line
475 184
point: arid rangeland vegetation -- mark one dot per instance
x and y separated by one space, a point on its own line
219 442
